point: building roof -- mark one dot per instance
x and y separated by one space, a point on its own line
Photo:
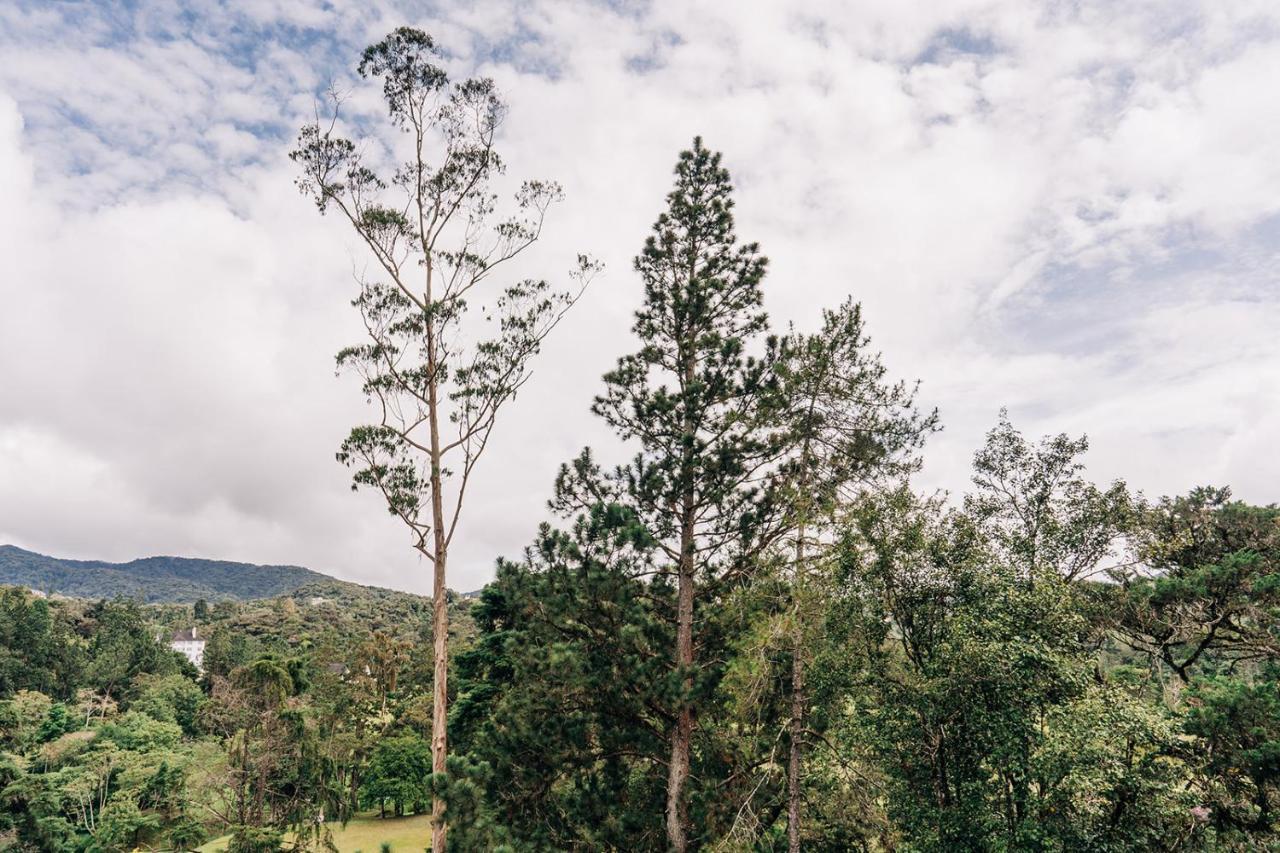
185 636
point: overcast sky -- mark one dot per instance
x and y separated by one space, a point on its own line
1068 209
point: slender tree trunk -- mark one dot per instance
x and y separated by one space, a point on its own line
682 735
439 595
797 705
440 699
678 774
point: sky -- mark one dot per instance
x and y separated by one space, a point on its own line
1071 210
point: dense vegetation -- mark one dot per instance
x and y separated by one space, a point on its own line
152 579
748 632
108 739
972 683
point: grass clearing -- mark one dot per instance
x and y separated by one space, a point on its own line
366 833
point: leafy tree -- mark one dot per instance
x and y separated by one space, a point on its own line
187 834
171 698
846 429
33 806
1041 515
1204 608
400 771
56 723
23 719
266 682
224 652
383 656
36 650
139 732
436 240
276 775
1210 591
1238 723
121 823
988 712
163 791
122 647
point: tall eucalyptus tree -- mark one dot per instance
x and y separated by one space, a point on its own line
437 239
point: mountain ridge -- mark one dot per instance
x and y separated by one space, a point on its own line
156 579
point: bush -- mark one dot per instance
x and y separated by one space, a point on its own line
255 839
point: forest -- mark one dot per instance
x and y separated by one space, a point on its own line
746 631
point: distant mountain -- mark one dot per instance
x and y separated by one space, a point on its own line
152 579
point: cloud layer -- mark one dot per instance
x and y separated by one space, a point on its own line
1069 210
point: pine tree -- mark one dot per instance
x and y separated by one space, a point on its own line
566 682
694 400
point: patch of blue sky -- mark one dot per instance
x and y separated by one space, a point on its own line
655 57
523 50
1071 308
1068 310
950 42
248 42
232 39
634 9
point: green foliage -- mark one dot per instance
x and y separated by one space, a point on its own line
964 687
984 699
562 700
1238 722
170 698
695 402
1038 512
399 771
690 396
23 719
1214 594
123 646
118 767
255 839
36 651
186 834
122 822
138 732
959 696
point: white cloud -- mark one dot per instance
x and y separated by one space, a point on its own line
1069 210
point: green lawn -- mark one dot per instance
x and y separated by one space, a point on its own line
367 833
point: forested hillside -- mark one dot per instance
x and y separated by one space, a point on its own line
108 739
152 579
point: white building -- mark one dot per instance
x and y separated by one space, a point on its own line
189 643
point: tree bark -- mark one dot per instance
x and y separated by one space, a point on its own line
678 774
797 707
794 759
440 698
682 735
439 597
